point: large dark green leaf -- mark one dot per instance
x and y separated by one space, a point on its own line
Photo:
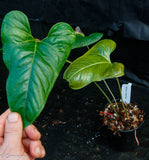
95 65
82 41
33 64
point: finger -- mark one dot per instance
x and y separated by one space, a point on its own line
3 118
13 130
35 148
32 133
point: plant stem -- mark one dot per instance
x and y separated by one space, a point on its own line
106 97
107 113
68 61
121 96
111 94
136 137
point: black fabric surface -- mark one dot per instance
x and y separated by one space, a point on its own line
73 130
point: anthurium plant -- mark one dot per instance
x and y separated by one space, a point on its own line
34 64
95 65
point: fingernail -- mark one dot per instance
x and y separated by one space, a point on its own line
38 151
13 117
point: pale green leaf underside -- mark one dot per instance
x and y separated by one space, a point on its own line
93 66
33 65
82 41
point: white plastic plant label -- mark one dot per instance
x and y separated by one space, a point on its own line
126 92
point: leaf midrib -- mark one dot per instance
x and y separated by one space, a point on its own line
87 67
30 75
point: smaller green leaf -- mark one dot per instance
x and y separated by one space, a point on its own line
82 41
104 47
94 65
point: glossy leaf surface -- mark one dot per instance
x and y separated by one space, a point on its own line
33 65
82 41
94 65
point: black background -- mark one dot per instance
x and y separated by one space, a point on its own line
126 22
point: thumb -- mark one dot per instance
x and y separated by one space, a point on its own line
13 130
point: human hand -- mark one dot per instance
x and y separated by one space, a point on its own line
16 144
